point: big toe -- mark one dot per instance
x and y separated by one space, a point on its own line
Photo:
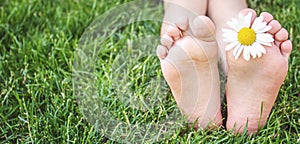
203 28
246 11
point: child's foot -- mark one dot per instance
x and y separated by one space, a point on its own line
252 86
190 68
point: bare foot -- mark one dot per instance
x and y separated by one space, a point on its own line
252 86
190 68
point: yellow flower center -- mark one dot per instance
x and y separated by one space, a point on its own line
246 36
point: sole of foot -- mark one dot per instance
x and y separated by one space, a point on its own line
189 65
252 86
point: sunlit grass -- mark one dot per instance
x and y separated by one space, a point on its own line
37 44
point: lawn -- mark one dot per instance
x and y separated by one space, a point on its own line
74 71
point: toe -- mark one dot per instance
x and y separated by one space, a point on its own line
276 26
161 52
166 41
286 48
281 35
246 11
203 28
182 23
173 32
267 17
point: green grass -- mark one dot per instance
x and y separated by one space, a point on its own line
38 40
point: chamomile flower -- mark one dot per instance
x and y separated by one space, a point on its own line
247 38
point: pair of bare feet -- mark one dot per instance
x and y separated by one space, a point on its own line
189 51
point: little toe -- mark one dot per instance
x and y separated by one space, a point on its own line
267 17
161 52
281 35
286 48
203 28
166 41
276 26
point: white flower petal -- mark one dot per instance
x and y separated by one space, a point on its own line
241 16
228 31
230 24
259 55
229 39
240 50
233 25
259 51
253 51
241 24
246 53
265 37
263 43
235 21
261 48
257 21
231 35
236 49
231 45
266 44
248 20
260 26
266 29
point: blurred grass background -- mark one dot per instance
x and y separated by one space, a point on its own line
37 43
